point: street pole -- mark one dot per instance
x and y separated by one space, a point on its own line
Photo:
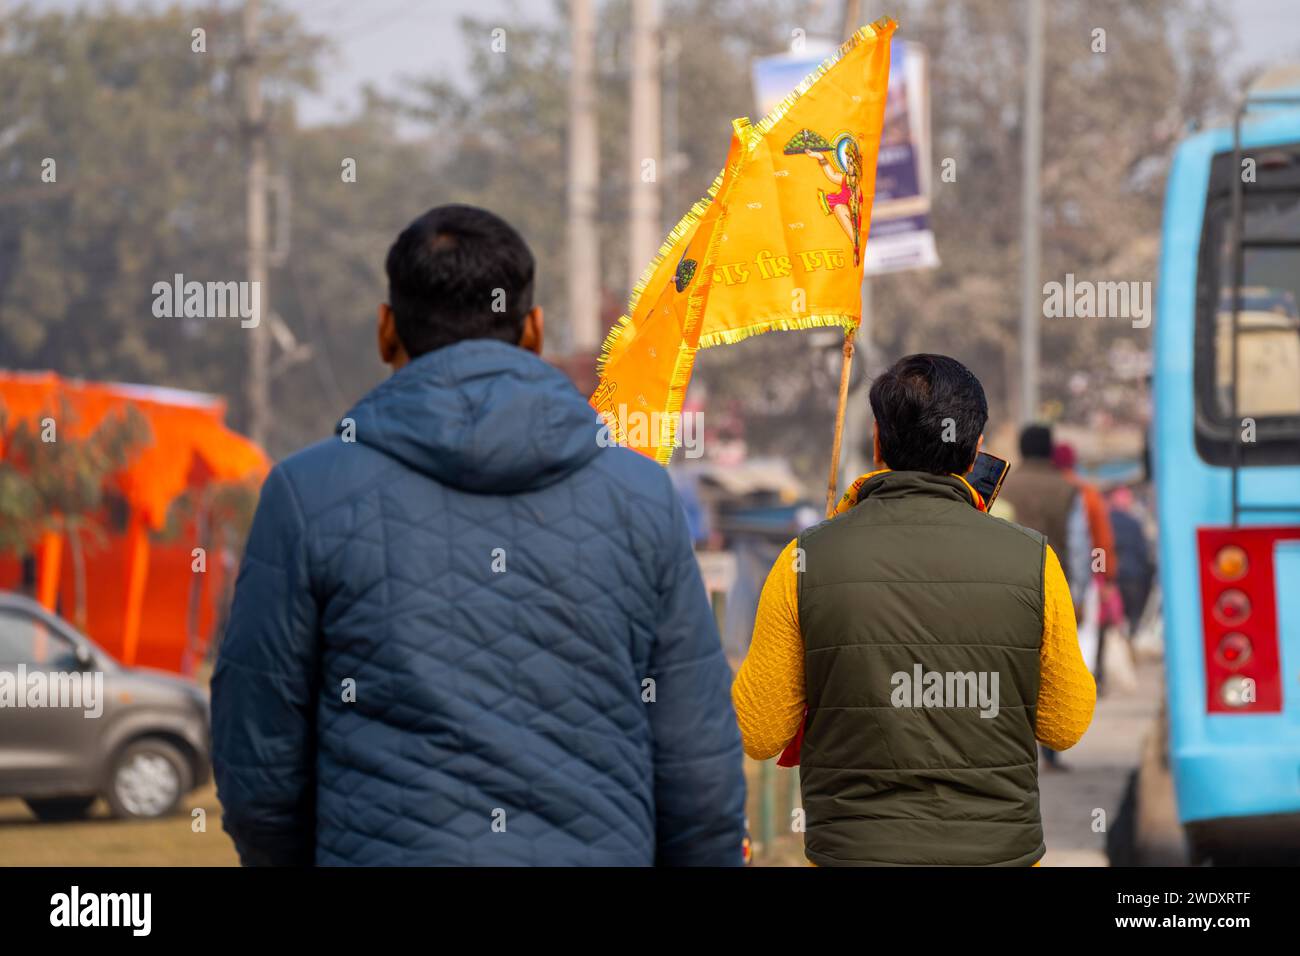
644 229
1030 294
852 13
671 171
583 262
257 384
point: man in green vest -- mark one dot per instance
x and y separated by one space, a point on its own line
922 645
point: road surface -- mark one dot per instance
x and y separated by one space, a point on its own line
1099 766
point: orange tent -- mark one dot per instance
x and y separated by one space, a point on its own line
138 609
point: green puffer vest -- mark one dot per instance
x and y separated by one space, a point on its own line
914 581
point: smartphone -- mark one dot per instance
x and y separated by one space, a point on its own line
987 476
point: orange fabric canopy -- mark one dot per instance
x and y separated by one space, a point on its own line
186 427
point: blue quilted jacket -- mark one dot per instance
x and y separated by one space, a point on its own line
465 633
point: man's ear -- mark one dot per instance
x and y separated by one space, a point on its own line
534 328
391 350
979 446
875 445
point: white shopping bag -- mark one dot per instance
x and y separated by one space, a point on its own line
1088 626
1120 671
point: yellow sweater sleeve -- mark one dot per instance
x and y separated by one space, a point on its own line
1066 692
768 692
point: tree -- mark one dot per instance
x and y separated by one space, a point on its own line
146 137
56 484
120 167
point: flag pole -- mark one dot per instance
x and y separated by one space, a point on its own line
845 368
852 12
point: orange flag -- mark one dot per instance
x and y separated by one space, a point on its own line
777 244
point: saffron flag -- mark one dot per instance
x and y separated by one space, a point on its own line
777 244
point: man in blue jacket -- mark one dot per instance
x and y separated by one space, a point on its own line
465 631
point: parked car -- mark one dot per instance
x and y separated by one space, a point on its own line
76 725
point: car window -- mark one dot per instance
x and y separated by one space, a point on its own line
25 639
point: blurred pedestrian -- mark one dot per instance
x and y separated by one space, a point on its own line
467 630
1136 569
1045 500
1097 566
1100 559
928 643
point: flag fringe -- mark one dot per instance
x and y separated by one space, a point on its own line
684 225
750 135
685 364
679 231
787 324
676 396
870 32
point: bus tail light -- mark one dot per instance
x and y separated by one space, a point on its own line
1237 692
1230 563
1233 651
1243 672
1232 608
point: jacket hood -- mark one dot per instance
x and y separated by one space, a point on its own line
481 416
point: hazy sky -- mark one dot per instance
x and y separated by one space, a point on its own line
381 41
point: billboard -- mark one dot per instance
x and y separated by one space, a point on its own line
901 237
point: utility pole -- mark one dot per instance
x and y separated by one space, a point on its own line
673 161
257 384
584 179
644 228
1031 303
852 13
6 39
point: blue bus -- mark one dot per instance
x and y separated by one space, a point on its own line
1225 455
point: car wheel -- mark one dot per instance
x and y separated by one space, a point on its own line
148 780
58 809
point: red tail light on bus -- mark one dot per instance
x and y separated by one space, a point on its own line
1239 619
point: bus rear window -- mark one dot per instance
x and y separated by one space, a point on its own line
1268 332
1268 338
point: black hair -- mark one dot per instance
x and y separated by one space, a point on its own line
930 411
1036 442
456 273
